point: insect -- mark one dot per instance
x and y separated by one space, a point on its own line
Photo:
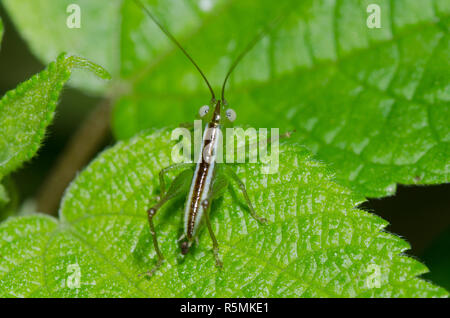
205 180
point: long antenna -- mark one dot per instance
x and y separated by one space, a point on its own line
171 37
249 47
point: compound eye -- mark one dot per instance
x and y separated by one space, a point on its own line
231 114
203 110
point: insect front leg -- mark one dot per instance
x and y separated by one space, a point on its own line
179 187
241 185
219 185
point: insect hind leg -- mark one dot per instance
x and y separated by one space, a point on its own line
205 205
179 186
151 213
164 171
241 185
220 183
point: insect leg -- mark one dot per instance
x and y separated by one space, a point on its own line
241 185
179 186
163 172
219 185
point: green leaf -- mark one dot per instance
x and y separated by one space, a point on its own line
26 111
43 24
372 103
315 244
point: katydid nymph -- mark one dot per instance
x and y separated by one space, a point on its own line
205 180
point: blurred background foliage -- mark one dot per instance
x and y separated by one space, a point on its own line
420 214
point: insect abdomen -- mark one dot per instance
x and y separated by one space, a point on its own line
201 182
